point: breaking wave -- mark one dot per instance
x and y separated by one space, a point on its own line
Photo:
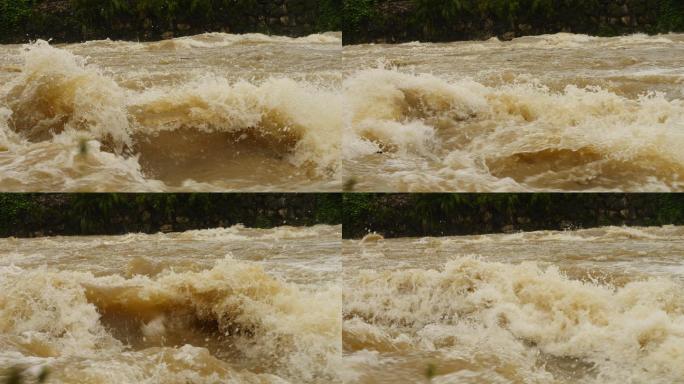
72 121
534 323
231 323
419 123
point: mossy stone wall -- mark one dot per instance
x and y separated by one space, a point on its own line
401 215
81 20
33 215
394 21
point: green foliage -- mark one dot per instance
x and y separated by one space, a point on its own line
328 208
14 14
358 16
454 214
439 20
112 213
15 209
671 15
434 14
149 19
92 11
439 16
670 208
359 11
330 12
95 212
166 11
357 210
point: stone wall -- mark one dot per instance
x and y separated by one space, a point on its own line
402 215
35 215
394 21
82 20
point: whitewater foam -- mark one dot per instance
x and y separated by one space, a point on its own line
256 319
519 136
202 130
472 309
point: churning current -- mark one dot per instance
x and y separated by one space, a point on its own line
212 112
603 305
559 112
221 112
225 305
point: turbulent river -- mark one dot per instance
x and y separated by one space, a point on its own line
231 305
258 113
207 112
554 112
602 305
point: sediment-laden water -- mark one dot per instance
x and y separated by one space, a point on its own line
231 305
251 112
208 112
601 305
555 112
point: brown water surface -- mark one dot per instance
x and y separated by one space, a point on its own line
211 112
557 112
226 305
602 305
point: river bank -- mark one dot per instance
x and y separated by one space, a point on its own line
414 215
396 21
37 215
65 21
